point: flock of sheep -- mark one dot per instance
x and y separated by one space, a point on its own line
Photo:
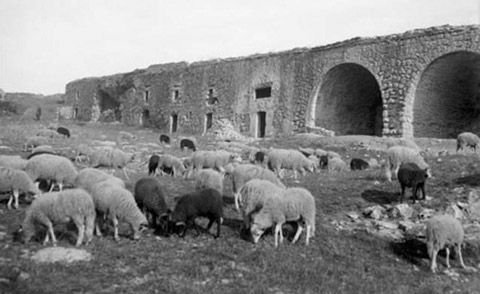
89 197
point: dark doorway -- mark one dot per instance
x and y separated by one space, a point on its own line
261 124
173 123
208 121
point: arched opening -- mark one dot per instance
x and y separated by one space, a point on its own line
173 123
350 102
447 98
109 105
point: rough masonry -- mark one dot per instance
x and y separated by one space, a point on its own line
422 83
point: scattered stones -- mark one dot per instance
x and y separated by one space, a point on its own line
60 254
402 210
374 212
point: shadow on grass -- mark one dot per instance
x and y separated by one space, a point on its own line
411 249
471 180
380 197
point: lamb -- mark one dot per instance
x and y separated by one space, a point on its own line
13 161
117 204
88 177
294 204
201 203
47 133
209 178
61 207
150 198
52 167
254 193
213 159
278 159
358 164
33 142
167 161
336 164
467 139
396 155
115 158
63 131
246 172
410 175
444 231
16 181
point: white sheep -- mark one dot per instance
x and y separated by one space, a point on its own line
61 207
88 177
16 181
209 178
254 193
279 159
246 172
213 159
43 148
114 158
171 162
13 161
444 231
336 164
82 150
467 139
293 204
33 142
117 204
122 135
396 155
320 152
52 167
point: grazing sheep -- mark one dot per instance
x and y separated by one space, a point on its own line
33 142
63 131
150 197
117 204
164 139
320 152
82 150
213 159
52 167
444 231
153 164
188 143
201 203
61 207
316 162
306 151
13 161
396 155
114 158
279 159
246 172
253 193
88 177
323 162
47 133
209 178
122 135
294 204
410 175
336 164
358 164
33 154
170 162
260 158
467 139
16 181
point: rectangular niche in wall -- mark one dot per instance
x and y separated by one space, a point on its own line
146 96
261 124
175 95
173 123
208 121
263 92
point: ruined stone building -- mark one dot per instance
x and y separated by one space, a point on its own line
422 83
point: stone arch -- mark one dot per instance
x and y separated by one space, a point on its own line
349 101
447 96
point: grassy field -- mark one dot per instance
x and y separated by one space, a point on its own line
336 261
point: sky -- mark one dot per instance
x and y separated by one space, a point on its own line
44 44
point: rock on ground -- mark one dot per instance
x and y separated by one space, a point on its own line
61 254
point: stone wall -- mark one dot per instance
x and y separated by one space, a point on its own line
419 83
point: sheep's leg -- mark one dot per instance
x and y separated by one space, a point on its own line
414 193
433 265
403 193
308 233
295 174
448 256
14 196
90 225
52 233
115 228
60 186
51 187
459 253
297 234
81 230
278 229
219 222
236 196
124 170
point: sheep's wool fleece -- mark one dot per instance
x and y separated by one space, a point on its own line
246 172
50 166
13 161
442 230
12 179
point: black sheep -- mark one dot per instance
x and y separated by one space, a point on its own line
260 157
412 176
323 163
150 198
153 165
164 139
64 131
186 143
201 203
358 164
